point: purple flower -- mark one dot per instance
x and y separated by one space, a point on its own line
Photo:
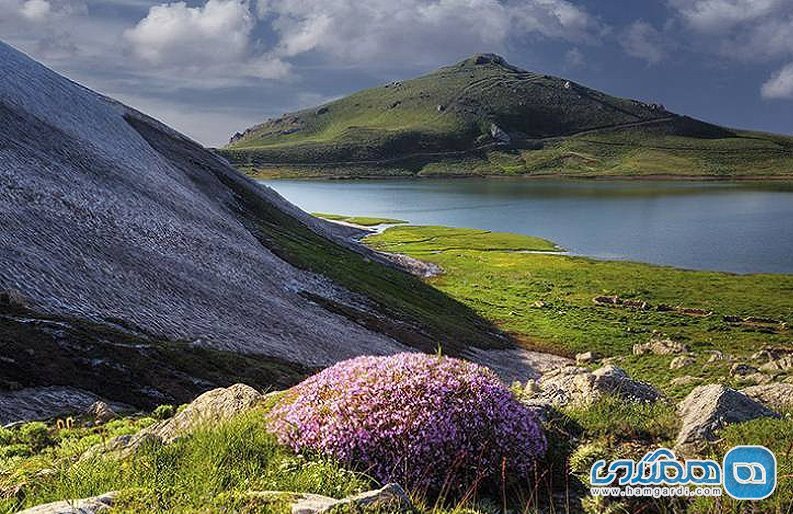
430 423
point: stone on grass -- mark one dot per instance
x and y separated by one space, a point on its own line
573 385
774 396
681 361
709 408
211 407
740 369
659 346
92 505
782 364
390 498
585 358
101 412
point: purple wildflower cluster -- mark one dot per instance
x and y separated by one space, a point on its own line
430 423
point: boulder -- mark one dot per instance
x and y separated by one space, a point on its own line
781 364
573 385
681 361
391 498
659 346
774 396
709 408
740 369
586 358
211 407
101 412
85 506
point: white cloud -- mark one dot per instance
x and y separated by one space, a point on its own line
780 85
419 31
213 37
719 15
36 9
644 41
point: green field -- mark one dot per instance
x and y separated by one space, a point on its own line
364 221
546 300
453 121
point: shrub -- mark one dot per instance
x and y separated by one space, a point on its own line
35 434
164 412
431 423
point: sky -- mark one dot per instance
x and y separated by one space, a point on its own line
210 68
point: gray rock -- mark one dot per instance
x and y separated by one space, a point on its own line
711 407
586 358
83 506
782 364
742 370
391 498
572 385
101 412
211 407
775 396
659 346
715 356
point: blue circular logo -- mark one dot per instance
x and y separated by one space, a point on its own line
749 472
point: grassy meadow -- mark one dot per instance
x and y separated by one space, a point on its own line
546 301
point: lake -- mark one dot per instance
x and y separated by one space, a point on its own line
736 227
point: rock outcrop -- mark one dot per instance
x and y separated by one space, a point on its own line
659 346
709 408
578 386
213 406
775 396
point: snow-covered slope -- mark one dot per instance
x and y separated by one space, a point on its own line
96 222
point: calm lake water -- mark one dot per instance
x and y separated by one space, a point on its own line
742 228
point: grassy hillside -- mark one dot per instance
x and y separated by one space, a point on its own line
484 116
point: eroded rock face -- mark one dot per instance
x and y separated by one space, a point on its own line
774 396
709 408
578 386
84 506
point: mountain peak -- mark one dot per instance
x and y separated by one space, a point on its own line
483 59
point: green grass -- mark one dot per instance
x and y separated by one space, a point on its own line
211 470
364 221
546 300
433 239
776 435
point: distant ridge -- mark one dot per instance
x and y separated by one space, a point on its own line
486 116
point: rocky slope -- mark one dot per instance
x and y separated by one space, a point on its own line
124 240
485 116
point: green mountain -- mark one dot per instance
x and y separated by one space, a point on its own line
485 116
